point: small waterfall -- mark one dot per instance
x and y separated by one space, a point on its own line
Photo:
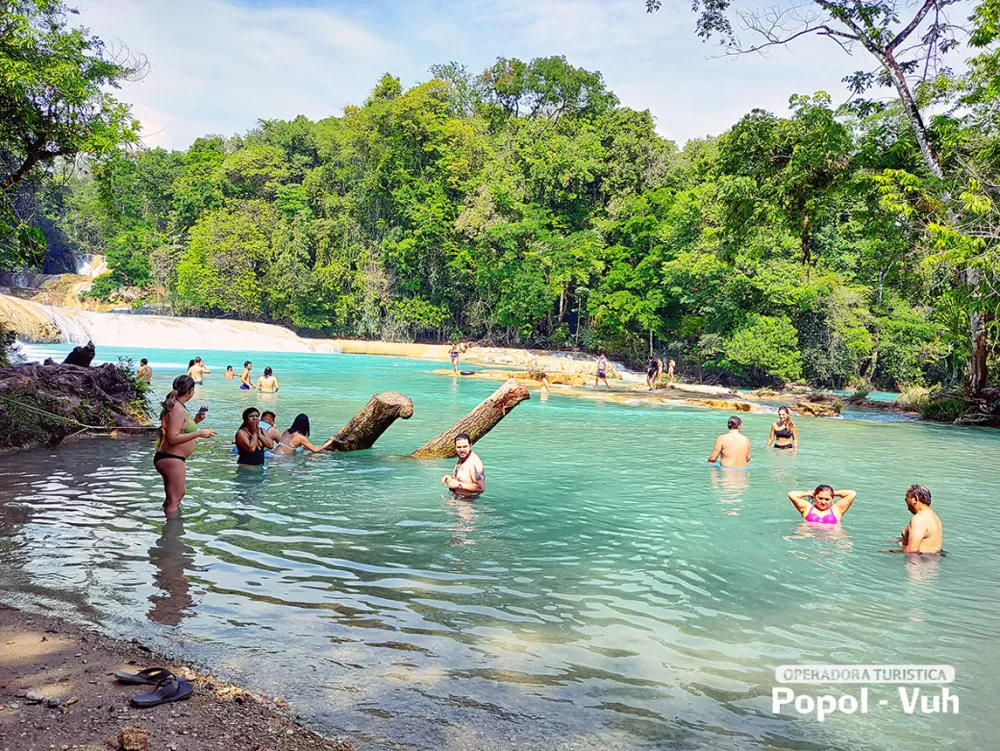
163 332
89 264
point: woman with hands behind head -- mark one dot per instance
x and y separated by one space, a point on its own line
827 505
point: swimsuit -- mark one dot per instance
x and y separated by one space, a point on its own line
189 427
164 455
252 458
454 355
783 433
244 387
828 517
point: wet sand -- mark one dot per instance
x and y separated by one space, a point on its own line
62 661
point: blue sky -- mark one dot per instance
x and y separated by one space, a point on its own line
216 66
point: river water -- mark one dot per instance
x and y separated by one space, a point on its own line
610 590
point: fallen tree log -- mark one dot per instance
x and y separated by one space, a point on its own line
371 421
478 422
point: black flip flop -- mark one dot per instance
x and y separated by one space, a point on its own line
147 677
168 690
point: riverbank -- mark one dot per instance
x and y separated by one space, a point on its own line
46 324
73 668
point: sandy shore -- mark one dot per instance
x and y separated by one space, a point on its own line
73 668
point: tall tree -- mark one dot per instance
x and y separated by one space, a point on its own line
908 43
53 103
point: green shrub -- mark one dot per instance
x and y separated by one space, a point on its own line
767 347
944 410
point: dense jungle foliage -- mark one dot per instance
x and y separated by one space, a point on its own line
523 205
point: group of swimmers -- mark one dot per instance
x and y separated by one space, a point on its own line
257 433
824 505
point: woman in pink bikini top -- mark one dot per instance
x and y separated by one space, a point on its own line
824 505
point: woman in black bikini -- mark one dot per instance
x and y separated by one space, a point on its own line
178 432
783 432
251 440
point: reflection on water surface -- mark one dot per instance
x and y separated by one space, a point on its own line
610 589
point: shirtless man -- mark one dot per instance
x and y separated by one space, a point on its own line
198 371
923 533
469 479
144 373
229 375
733 448
245 383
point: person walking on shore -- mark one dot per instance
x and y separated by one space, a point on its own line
178 431
732 449
602 370
670 370
144 373
654 369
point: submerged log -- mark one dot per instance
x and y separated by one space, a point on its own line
371 421
478 422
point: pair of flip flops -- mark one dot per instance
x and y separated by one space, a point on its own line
169 687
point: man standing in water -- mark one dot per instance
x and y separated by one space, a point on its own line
924 532
469 479
732 449
144 373
245 383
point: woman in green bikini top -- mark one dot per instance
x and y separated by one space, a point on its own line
178 431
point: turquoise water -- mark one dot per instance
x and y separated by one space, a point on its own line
609 590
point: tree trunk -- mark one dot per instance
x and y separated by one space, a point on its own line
477 423
977 372
372 421
978 367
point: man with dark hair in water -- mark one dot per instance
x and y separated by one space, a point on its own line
144 373
924 532
732 449
469 478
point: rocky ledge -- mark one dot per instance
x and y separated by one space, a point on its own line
42 404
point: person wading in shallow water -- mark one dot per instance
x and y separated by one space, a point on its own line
454 358
178 431
144 373
469 478
267 383
229 375
924 532
783 432
245 383
251 440
828 506
732 449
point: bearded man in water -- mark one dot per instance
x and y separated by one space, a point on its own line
469 479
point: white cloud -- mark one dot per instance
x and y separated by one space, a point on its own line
216 66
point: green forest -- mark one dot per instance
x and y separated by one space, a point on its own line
523 205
